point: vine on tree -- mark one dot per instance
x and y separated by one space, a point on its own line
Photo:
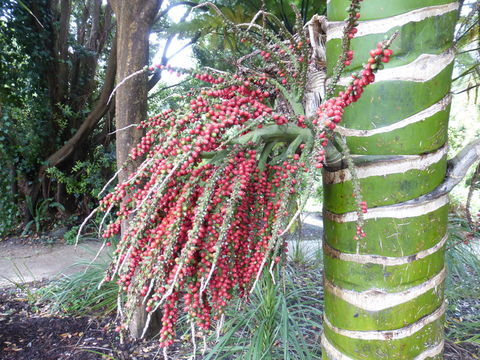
216 191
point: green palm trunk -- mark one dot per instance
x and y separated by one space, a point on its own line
384 294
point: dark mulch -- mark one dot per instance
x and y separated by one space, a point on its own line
30 332
461 351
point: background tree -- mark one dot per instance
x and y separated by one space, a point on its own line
57 107
52 100
134 22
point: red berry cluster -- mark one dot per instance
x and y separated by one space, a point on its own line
353 31
352 22
330 113
360 233
265 55
363 206
349 58
200 231
206 210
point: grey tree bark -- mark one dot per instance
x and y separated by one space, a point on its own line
134 21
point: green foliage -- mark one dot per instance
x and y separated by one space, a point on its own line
24 107
40 212
462 286
89 232
8 208
70 236
462 258
22 285
87 177
456 139
467 39
23 92
279 320
46 91
219 48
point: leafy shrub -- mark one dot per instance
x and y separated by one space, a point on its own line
87 177
40 213
8 209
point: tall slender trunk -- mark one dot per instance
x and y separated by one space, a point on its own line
134 22
384 293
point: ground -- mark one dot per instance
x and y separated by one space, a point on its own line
30 331
33 260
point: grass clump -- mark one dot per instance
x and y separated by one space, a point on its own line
280 320
79 294
462 284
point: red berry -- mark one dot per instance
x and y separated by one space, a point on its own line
388 52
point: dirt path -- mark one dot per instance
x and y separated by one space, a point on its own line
23 263
20 263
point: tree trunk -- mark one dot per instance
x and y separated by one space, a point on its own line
384 293
134 21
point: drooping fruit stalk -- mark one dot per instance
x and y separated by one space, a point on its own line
208 207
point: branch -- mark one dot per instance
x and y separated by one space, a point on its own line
157 74
166 88
101 107
193 40
459 165
171 6
467 89
456 170
466 51
271 133
473 184
466 72
466 22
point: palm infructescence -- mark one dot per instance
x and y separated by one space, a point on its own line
384 294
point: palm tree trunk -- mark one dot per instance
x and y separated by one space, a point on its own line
384 293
